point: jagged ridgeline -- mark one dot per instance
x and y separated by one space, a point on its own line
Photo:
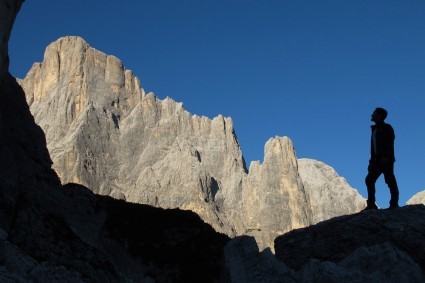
105 132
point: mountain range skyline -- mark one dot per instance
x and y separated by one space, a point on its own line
311 72
55 232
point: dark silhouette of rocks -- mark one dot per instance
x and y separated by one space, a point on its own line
50 233
379 241
55 233
371 246
96 238
105 132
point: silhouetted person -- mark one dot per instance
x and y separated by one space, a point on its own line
381 159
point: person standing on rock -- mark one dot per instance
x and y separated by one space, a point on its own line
382 159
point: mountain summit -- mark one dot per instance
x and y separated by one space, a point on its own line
105 132
54 233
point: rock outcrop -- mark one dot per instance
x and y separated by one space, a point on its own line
327 193
273 197
105 132
54 233
50 233
247 265
418 198
371 246
73 235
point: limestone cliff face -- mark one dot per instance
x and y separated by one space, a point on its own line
273 198
418 198
105 132
327 193
50 233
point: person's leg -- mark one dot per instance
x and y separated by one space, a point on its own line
374 171
391 181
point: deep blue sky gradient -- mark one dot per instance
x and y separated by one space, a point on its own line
311 70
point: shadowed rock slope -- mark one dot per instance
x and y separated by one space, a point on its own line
105 132
72 235
367 243
372 246
50 233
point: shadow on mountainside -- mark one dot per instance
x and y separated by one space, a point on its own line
95 238
336 239
68 234
163 237
25 161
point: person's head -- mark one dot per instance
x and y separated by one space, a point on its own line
379 115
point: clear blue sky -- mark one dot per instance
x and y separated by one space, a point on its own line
311 70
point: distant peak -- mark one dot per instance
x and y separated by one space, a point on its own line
69 40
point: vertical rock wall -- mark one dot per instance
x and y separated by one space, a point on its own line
105 132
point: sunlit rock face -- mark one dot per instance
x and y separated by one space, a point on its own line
418 198
50 233
328 194
274 198
105 132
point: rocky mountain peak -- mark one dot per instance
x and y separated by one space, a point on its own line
279 151
54 233
72 65
104 132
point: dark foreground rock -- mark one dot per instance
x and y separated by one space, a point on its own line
375 245
54 234
50 233
74 235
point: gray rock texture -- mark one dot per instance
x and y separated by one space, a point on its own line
327 193
50 233
54 233
371 246
105 132
273 197
247 265
418 198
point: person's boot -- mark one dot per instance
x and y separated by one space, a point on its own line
370 206
393 204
